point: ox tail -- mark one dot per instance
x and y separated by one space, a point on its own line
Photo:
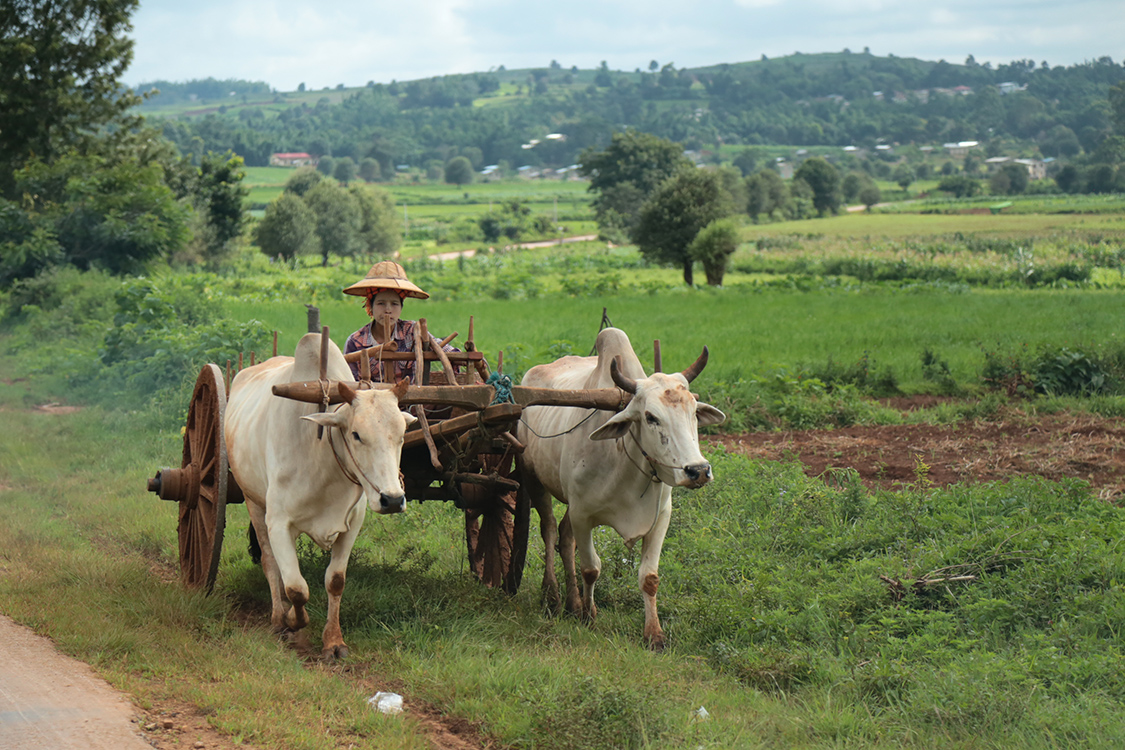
255 548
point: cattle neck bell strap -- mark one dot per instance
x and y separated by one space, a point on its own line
340 463
347 473
652 463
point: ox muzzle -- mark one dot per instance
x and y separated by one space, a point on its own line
696 475
389 503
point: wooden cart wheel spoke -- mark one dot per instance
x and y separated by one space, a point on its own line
203 511
496 532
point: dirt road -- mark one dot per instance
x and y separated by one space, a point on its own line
521 246
49 701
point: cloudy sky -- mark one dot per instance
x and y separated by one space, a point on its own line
325 43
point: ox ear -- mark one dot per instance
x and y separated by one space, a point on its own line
328 419
706 414
616 427
410 418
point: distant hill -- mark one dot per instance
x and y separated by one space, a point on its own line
811 100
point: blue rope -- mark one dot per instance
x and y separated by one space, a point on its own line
503 386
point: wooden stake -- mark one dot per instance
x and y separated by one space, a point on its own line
657 366
421 409
323 374
365 366
252 354
275 343
240 361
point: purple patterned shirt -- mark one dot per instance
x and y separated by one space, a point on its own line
403 336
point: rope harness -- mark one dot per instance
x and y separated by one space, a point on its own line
503 386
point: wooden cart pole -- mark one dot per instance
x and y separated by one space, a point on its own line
421 409
471 346
323 377
438 348
365 367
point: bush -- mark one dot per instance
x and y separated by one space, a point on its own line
1055 371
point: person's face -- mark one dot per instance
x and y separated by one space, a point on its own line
386 308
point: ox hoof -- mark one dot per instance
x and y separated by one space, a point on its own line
333 654
296 620
550 598
656 645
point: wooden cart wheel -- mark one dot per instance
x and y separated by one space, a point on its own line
496 528
200 484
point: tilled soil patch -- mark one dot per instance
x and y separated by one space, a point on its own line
1085 447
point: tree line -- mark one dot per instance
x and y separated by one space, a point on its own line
802 100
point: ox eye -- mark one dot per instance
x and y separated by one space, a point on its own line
356 437
651 419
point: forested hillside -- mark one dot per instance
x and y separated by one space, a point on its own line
836 99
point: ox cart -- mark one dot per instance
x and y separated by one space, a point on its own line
462 450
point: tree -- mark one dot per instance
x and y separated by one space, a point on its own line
326 165
380 228
219 197
850 186
338 219
642 160
26 247
345 170
746 161
114 216
288 229
713 247
1069 179
303 180
903 175
869 193
961 185
675 214
369 169
602 78
459 171
61 64
824 180
1010 179
765 193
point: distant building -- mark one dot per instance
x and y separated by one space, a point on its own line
1010 88
299 159
1036 169
960 149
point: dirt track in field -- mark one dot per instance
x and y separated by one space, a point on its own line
1085 447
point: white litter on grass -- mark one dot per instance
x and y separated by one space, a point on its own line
701 714
388 703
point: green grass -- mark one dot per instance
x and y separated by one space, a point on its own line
778 620
779 624
901 225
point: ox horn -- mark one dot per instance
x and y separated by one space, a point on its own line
400 388
623 382
346 392
692 372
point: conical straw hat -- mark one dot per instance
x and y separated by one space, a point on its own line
386 274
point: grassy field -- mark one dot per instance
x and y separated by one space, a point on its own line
774 586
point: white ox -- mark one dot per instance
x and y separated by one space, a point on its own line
294 484
626 484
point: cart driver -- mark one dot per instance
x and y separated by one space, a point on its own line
384 290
